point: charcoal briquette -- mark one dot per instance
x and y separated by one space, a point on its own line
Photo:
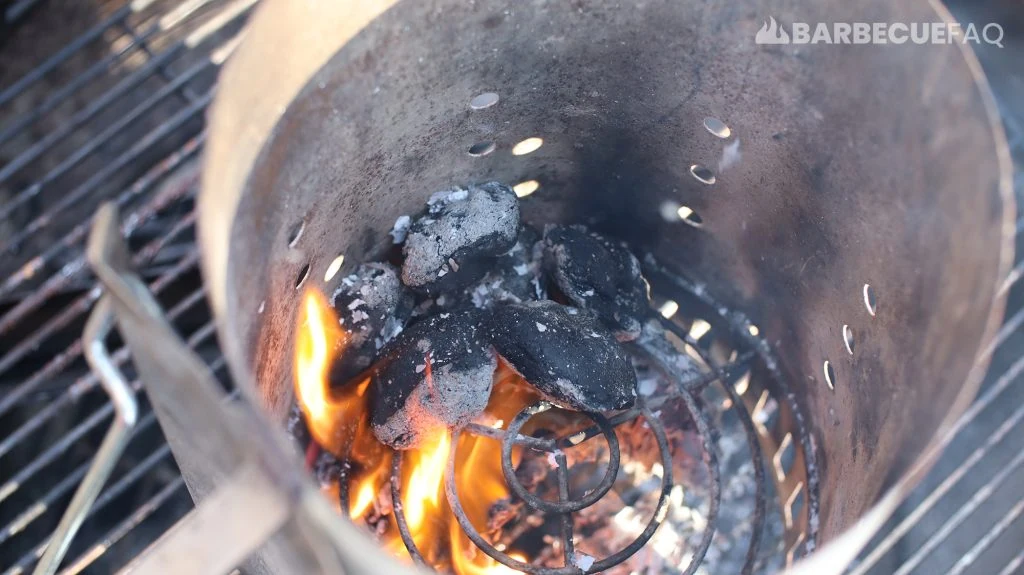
566 353
436 374
514 277
600 275
457 240
372 307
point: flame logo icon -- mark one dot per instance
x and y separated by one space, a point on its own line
771 33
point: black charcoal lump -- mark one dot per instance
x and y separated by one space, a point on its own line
599 275
436 374
457 240
372 307
514 277
566 353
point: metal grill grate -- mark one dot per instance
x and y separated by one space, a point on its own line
112 110
104 99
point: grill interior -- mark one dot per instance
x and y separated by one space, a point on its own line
104 100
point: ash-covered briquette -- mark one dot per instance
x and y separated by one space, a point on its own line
514 277
457 240
435 374
373 307
566 354
598 274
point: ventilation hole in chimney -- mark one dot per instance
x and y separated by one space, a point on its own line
702 174
717 127
848 338
485 100
869 299
527 146
481 149
303 276
295 233
668 309
794 504
523 189
334 267
830 375
689 216
783 459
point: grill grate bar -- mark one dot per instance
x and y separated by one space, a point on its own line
983 401
61 95
176 122
76 235
60 57
998 529
84 384
108 495
174 86
84 302
124 528
138 42
961 514
44 503
1014 564
62 360
62 488
131 521
76 121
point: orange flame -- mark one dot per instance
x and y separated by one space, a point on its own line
338 419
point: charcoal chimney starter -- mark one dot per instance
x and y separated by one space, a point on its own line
851 202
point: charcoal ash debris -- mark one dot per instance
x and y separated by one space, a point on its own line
514 277
436 374
458 239
571 358
598 274
400 230
654 339
373 307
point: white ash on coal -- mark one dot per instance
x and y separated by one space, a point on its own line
514 277
566 354
372 306
456 242
436 374
598 274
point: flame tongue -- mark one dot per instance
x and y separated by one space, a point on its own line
338 420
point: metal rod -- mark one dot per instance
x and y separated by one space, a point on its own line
82 303
124 527
568 548
967 559
126 408
79 118
88 382
979 497
1014 564
984 400
78 233
399 509
114 491
78 193
740 329
60 57
82 152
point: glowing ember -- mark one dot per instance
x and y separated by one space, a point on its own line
338 420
